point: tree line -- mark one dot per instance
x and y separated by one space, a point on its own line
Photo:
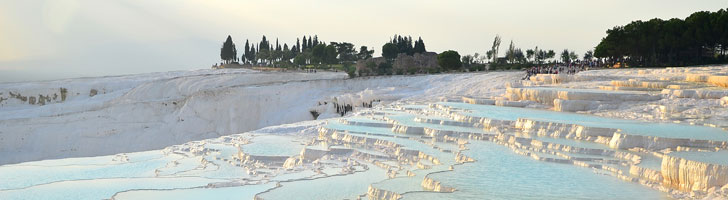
701 38
306 51
516 58
399 44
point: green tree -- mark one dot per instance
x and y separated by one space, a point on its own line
495 47
305 44
511 53
263 55
252 56
300 59
296 48
420 46
330 55
529 54
518 56
390 51
550 54
489 54
244 57
384 68
346 51
364 53
588 55
264 44
288 54
698 39
573 56
467 61
449 60
228 53
565 56
318 53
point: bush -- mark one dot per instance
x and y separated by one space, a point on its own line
385 68
350 70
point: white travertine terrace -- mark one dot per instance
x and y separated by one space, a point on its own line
548 95
718 80
691 175
412 147
695 94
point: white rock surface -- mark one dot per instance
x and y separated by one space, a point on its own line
152 111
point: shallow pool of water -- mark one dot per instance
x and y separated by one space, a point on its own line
667 130
719 157
240 192
273 145
499 173
334 187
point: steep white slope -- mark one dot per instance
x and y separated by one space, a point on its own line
144 112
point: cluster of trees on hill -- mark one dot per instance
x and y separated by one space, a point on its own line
306 51
399 44
701 38
515 57
401 55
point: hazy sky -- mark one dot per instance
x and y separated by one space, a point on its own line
52 39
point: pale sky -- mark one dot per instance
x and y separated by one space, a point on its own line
53 39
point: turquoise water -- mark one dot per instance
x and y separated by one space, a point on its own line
362 129
335 187
364 119
24 175
220 170
573 143
415 106
719 157
409 184
272 145
294 176
226 151
241 192
183 165
97 160
667 130
651 162
100 188
499 173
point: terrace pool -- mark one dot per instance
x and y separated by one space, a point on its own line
499 173
667 130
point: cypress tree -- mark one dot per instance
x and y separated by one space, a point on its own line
251 56
305 44
264 44
419 46
228 53
298 45
278 46
244 57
